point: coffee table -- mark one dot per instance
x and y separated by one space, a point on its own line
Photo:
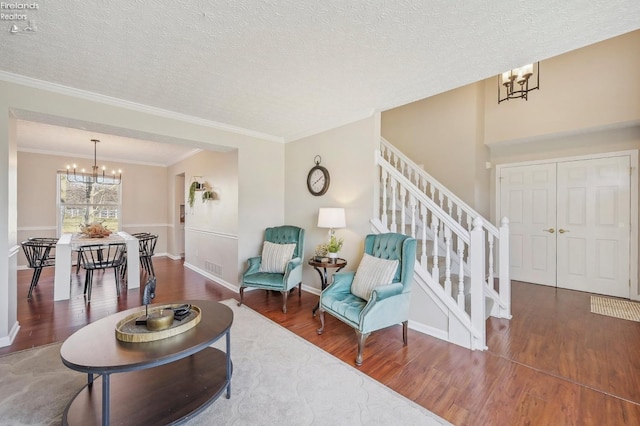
166 381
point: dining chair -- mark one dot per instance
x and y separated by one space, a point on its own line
40 253
100 257
147 245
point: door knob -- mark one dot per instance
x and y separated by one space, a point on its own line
562 231
550 230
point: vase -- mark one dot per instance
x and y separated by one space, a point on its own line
333 255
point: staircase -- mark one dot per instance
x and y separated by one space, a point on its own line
457 254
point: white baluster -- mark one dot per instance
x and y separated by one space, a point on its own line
447 262
412 212
461 274
424 258
459 214
441 199
450 207
394 185
435 226
476 268
403 210
383 185
490 278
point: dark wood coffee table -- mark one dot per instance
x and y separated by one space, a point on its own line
167 381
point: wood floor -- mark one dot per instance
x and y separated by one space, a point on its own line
554 363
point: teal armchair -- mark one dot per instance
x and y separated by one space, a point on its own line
388 304
273 272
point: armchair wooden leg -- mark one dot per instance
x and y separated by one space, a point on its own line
241 295
285 295
362 337
321 329
405 325
299 289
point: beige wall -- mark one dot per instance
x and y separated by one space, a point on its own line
347 153
589 88
443 134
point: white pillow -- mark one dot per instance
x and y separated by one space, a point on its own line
372 272
276 256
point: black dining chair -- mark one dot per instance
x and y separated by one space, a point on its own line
40 253
147 245
100 257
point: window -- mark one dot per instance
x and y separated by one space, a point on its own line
87 202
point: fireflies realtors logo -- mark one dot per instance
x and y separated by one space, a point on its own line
18 14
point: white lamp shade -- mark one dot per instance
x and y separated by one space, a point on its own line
331 217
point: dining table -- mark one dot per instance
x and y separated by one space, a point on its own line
72 242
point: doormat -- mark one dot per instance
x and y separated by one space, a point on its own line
623 309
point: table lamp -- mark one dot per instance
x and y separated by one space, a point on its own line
332 218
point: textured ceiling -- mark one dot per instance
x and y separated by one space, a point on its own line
290 68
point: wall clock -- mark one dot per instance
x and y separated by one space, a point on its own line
318 178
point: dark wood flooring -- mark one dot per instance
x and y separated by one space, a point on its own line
554 363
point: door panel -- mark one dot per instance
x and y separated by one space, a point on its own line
594 212
528 195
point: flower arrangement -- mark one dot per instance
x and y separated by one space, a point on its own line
94 230
321 250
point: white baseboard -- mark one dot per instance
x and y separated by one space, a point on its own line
212 277
8 340
428 330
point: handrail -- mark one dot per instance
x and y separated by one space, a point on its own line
492 229
438 211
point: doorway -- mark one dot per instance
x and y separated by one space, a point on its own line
570 222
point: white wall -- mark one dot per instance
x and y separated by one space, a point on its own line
347 153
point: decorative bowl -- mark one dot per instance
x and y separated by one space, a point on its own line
160 320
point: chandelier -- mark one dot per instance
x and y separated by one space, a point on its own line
515 83
94 176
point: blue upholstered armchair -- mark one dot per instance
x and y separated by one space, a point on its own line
386 272
280 265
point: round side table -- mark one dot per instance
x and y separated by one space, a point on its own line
321 268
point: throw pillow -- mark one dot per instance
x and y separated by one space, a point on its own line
276 256
372 272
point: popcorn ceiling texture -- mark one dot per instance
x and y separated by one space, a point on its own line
290 68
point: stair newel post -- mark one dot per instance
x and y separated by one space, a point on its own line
384 177
424 258
503 265
435 226
477 260
460 272
412 207
447 261
394 188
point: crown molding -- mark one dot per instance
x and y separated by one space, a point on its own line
333 125
121 103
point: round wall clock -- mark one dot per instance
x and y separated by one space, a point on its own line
318 178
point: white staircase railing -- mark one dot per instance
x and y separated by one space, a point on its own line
456 247
496 241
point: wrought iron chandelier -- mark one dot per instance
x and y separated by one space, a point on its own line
94 176
515 83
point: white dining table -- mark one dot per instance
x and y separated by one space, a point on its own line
70 242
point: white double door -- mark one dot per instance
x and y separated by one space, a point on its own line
570 223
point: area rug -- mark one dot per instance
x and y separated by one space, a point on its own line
278 379
623 309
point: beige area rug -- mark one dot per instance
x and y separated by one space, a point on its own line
623 309
278 379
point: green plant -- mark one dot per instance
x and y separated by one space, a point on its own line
208 195
334 244
192 193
